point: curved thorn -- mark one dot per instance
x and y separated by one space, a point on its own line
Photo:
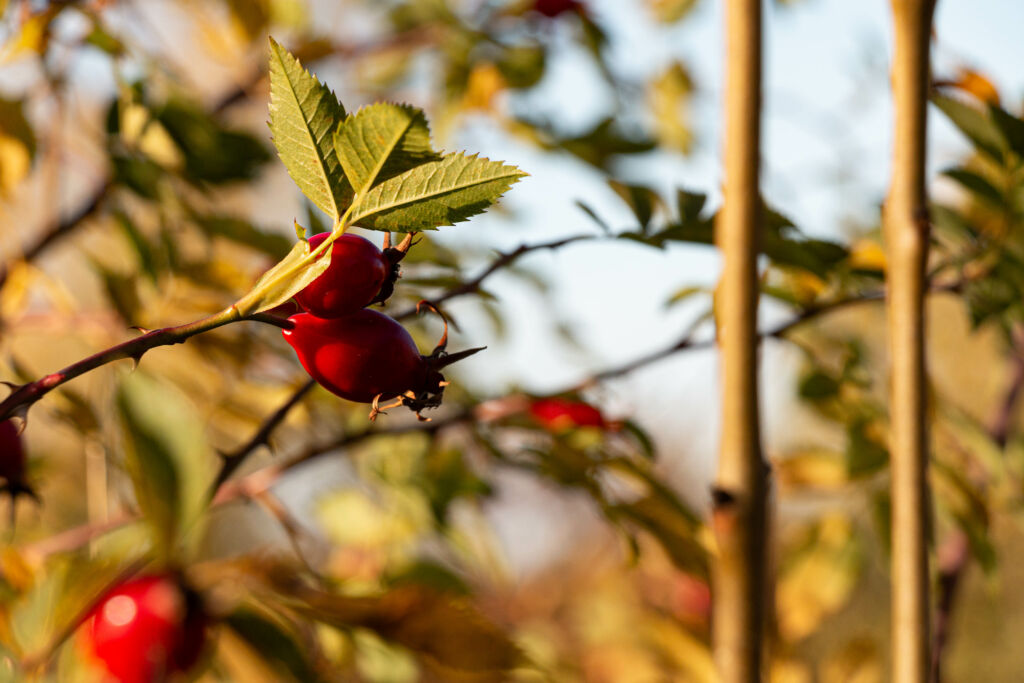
443 343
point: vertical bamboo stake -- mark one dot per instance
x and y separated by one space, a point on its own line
740 505
905 223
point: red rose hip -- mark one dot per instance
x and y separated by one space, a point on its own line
357 271
12 455
558 414
358 357
553 8
146 629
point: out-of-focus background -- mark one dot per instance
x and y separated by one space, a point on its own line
140 188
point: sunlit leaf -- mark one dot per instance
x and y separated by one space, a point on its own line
303 115
818 579
381 141
437 193
288 277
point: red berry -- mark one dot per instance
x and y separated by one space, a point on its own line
357 271
145 629
357 357
553 8
12 454
558 414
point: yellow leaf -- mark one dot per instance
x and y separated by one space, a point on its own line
857 662
15 162
485 82
819 580
811 469
670 95
867 255
33 37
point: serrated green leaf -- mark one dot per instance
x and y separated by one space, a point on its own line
303 113
381 141
437 193
284 280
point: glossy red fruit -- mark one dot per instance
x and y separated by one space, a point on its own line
359 356
553 8
12 454
146 629
357 271
558 414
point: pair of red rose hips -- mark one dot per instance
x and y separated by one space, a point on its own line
146 629
357 353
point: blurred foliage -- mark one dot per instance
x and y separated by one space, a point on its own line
388 566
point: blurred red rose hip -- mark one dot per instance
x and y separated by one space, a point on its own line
146 629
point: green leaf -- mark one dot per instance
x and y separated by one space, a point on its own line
274 643
673 530
303 112
817 386
864 454
683 294
643 201
977 185
243 232
437 193
212 153
166 455
284 280
973 123
381 141
1010 126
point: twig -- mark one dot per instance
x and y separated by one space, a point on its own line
953 558
231 461
19 400
505 259
1003 423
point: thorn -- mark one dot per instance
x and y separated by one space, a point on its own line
387 241
444 383
423 419
443 361
443 343
143 330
